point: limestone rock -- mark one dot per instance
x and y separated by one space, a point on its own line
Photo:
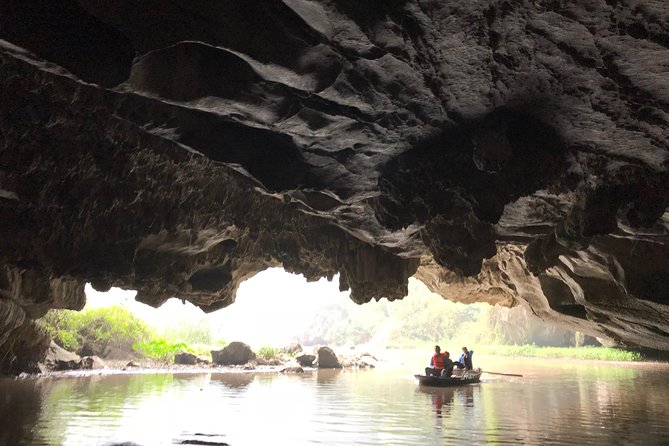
515 153
92 363
306 360
295 347
361 361
235 353
327 359
57 358
185 358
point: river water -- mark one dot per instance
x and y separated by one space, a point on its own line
554 403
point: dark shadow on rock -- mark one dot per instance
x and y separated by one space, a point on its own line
456 184
88 47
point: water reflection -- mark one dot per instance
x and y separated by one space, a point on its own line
327 376
21 403
554 404
443 398
233 380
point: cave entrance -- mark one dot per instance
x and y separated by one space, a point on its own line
275 309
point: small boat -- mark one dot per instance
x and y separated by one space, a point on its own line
459 378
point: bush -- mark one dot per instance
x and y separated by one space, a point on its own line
160 349
101 329
63 327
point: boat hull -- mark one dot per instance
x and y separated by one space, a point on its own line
438 381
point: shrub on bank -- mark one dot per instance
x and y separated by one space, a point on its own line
98 329
160 349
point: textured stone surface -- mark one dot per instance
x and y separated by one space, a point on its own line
327 359
185 358
305 359
512 152
235 353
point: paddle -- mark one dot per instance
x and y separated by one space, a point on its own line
503 374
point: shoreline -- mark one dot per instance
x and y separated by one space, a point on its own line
116 367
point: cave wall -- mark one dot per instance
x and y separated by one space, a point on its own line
511 152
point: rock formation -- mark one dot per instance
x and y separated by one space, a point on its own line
327 359
506 151
235 353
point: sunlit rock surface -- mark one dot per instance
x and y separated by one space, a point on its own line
502 151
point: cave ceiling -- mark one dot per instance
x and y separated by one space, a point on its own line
509 152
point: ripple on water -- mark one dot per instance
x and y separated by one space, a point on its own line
598 406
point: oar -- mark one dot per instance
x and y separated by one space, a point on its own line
503 374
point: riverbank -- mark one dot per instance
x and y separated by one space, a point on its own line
585 353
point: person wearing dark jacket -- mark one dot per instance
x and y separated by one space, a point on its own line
448 365
465 360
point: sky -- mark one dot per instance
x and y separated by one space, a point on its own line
270 308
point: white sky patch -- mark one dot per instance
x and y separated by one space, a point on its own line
270 309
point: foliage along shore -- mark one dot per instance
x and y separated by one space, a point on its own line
583 353
116 330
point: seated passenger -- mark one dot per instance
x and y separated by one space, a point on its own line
436 363
465 361
448 365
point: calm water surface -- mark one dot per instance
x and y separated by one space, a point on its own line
553 403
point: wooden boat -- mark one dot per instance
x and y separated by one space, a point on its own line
459 378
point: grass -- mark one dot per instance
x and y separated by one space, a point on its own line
268 352
160 349
589 353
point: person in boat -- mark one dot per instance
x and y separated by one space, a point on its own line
465 360
448 365
436 363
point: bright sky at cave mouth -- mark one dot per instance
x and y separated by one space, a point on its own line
271 308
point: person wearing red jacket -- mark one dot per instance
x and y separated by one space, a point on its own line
436 363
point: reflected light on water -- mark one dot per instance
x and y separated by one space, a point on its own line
554 403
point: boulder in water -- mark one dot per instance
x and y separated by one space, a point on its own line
305 360
327 359
235 353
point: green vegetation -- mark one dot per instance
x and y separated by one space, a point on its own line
160 349
101 330
98 330
268 352
588 352
424 319
191 330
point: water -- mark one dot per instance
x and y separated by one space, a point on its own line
558 403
